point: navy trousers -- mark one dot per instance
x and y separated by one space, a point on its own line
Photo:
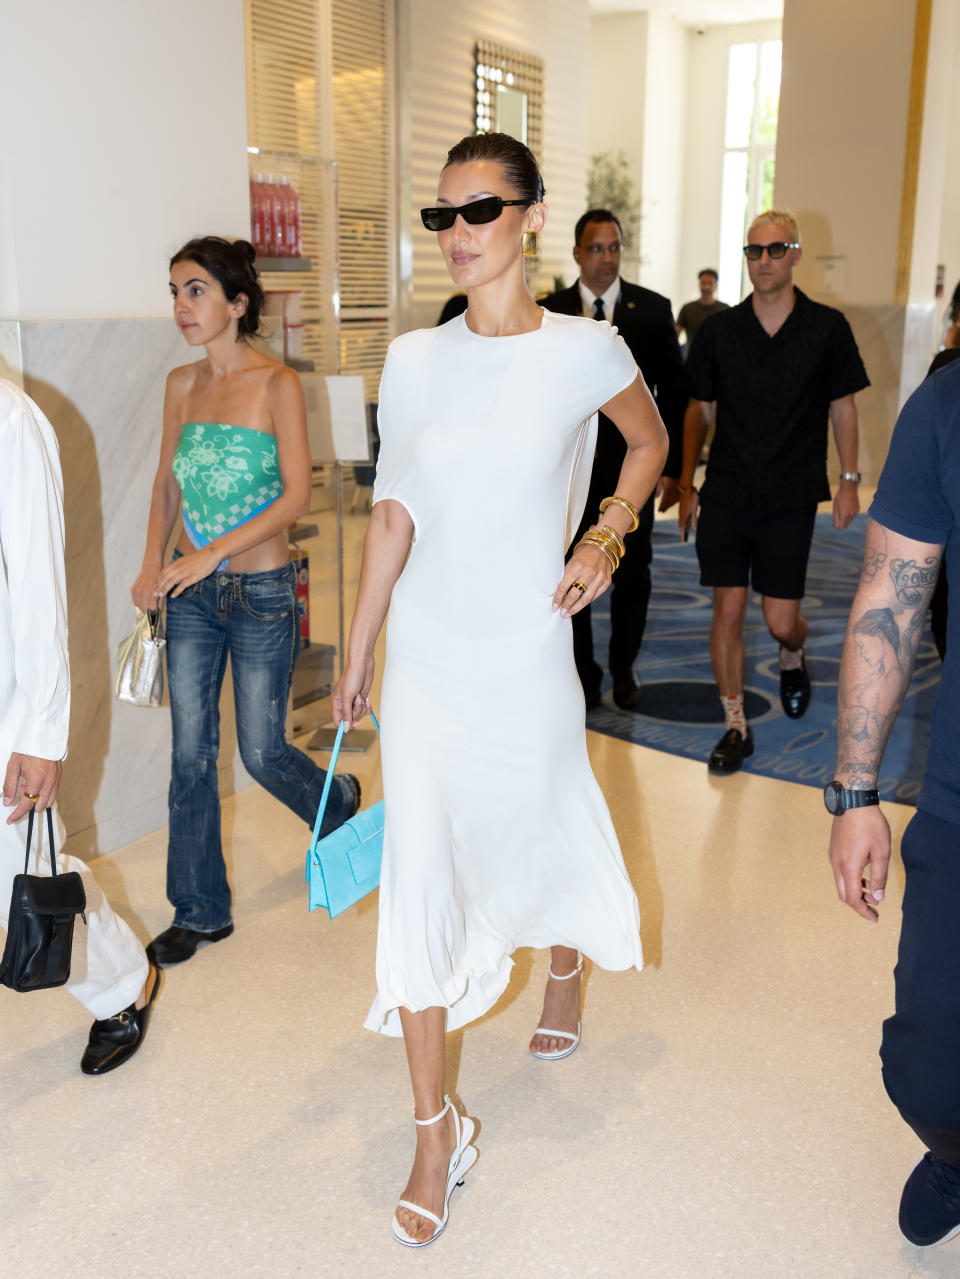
921 1041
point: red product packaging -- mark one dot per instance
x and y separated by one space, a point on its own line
291 218
257 213
278 237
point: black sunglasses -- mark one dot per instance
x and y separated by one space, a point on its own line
754 252
476 213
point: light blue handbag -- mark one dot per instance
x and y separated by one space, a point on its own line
345 865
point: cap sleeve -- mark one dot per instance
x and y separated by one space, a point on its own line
394 479
613 367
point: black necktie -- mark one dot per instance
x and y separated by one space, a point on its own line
598 309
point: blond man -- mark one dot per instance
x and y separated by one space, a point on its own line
779 366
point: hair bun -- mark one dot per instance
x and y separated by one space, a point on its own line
247 249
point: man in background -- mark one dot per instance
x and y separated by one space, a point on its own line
778 366
693 314
110 975
645 322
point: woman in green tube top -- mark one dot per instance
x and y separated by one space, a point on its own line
234 455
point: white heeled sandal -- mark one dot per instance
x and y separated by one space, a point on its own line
461 1161
560 1053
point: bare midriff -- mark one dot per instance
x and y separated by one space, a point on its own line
273 553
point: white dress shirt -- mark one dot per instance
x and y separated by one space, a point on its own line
588 298
34 668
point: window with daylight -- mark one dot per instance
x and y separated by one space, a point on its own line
749 159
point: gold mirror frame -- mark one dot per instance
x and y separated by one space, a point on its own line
496 65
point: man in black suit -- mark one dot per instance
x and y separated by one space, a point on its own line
645 322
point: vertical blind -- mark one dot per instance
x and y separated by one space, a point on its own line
319 85
362 48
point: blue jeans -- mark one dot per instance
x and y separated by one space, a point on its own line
252 617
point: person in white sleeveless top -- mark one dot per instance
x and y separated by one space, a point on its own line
497 835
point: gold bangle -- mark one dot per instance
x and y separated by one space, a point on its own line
612 557
627 506
608 532
590 539
609 537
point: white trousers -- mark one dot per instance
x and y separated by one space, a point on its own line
108 966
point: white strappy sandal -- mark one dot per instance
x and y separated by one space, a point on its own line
560 1053
461 1161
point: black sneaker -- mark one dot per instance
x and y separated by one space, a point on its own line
730 752
930 1203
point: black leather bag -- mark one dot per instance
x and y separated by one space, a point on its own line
43 910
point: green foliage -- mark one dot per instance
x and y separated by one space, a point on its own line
610 186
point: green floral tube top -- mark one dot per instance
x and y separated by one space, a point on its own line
227 475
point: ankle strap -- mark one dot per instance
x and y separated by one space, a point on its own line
436 1118
572 973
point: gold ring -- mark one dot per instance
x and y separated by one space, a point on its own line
579 585
33 798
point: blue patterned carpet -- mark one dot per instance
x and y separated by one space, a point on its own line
680 712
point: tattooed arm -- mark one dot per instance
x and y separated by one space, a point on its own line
883 634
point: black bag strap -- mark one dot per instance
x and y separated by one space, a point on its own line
53 854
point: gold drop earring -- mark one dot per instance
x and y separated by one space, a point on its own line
531 244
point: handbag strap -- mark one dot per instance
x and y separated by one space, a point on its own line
53 857
329 780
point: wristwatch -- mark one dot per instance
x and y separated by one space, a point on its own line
855 476
839 799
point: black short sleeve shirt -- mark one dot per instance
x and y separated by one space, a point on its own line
773 399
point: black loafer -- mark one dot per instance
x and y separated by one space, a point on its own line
730 752
115 1039
626 690
357 793
174 945
795 690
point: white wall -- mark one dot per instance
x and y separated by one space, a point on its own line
708 54
616 109
662 181
124 132
949 239
841 141
439 38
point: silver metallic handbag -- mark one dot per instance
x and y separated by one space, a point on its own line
140 662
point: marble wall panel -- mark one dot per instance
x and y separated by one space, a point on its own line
101 384
896 344
10 363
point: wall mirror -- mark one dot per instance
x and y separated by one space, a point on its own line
509 93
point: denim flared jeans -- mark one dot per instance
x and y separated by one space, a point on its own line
252 618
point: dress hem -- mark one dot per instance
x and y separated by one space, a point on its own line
479 993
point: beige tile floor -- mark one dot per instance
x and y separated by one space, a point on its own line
723 1117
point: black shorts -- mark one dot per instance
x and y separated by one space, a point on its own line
738 547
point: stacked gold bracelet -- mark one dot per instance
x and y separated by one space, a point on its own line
629 507
607 540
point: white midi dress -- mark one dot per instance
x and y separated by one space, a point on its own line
496 832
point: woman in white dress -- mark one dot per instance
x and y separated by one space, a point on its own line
497 835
